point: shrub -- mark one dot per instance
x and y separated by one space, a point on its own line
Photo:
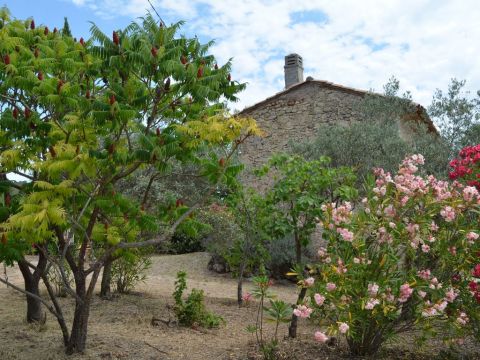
129 270
192 311
57 281
403 259
224 229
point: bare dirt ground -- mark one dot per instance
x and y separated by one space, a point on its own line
121 328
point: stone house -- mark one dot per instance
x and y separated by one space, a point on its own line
295 114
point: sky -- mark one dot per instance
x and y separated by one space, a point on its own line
360 44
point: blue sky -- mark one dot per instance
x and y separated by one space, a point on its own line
354 43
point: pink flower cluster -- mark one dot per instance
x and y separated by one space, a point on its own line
319 299
308 282
405 292
340 214
247 297
471 237
343 327
302 311
470 193
371 303
346 234
321 337
448 213
373 289
331 286
462 319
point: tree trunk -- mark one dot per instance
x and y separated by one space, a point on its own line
35 311
298 248
105 289
240 284
78 335
292 329
31 281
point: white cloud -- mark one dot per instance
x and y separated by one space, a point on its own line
423 43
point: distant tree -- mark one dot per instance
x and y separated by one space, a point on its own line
457 115
293 204
376 140
66 28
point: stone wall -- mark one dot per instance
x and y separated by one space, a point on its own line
295 116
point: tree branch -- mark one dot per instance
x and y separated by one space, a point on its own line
28 293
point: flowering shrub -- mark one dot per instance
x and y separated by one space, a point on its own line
467 167
403 258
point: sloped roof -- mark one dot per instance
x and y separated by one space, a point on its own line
421 113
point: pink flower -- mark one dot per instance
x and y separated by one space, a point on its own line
405 292
404 200
321 337
450 295
372 289
472 236
470 193
319 299
380 190
422 294
425 248
433 226
462 319
343 327
342 213
308 282
448 213
322 252
331 286
371 303
345 234
341 268
302 311
390 211
247 297
412 228
435 284
441 306
424 274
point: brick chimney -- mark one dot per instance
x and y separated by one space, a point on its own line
293 70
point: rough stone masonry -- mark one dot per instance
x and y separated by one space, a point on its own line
295 114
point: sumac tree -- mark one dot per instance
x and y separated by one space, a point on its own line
78 117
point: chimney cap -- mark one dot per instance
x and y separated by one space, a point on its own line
293 70
293 59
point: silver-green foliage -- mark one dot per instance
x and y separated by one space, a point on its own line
375 141
457 115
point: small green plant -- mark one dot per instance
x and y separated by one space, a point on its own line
57 281
278 312
192 311
129 270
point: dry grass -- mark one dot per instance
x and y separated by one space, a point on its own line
121 328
